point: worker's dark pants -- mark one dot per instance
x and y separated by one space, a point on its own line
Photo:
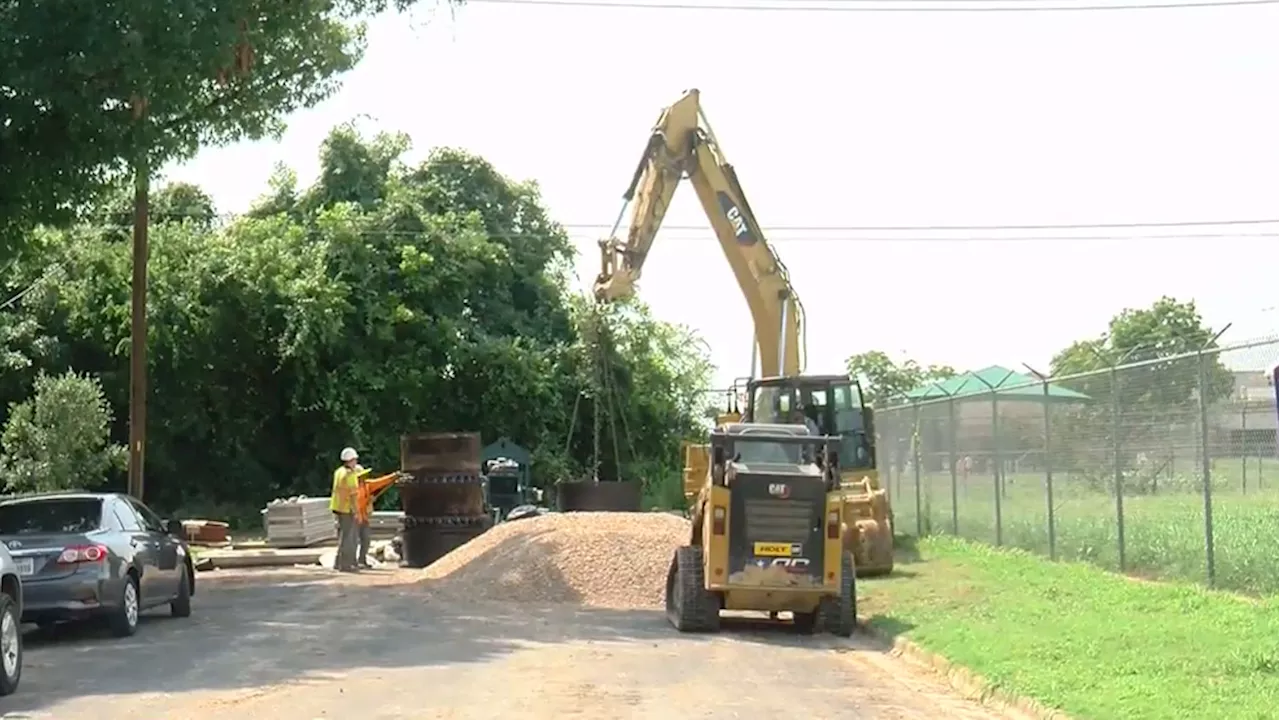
346 559
364 534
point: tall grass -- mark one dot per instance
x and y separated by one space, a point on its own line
1164 534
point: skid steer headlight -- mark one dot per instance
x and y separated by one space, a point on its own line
833 525
717 520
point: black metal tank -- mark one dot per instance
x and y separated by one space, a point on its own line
442 495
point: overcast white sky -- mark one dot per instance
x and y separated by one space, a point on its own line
842 119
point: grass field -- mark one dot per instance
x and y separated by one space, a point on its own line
1096 645
1164 533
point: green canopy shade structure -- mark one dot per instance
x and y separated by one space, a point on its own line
1009 385
940 423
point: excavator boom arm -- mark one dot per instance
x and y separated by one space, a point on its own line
682 144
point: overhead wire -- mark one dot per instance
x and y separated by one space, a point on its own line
844 228
942 228
788 239
885 6
17 297
705 234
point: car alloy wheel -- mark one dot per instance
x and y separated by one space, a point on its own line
131 603
10 644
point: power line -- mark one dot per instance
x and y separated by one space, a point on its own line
1199 224
17 297
966 228
705 234
900 6
988 238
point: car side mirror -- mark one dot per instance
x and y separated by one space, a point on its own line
175 528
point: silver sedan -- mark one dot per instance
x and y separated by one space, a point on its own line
83 555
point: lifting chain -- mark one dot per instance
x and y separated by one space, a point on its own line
608 396
606 399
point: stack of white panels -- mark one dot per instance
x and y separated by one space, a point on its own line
299 522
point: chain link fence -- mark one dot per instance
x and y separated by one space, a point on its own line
1159 469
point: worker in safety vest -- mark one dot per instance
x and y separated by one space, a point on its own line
343 503
367 491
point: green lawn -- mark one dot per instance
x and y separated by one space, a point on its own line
1164 533
1074 637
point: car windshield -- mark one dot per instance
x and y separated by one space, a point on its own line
60 515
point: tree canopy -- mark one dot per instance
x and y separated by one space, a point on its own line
89 88
1148 406
383 299
1155 337
61 432
883 380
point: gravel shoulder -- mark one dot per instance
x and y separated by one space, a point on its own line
306 644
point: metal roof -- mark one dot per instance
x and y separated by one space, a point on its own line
1009 385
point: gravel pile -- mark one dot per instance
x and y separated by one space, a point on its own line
616 560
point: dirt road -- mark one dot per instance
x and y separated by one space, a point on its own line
301 645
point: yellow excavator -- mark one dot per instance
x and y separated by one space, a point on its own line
682 145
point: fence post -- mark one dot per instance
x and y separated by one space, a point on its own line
1048 461
1202 401
915 462
1244 458
886 418
1206 466
997 474
951 458
1117 466
995 465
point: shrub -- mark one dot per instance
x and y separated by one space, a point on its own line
59 438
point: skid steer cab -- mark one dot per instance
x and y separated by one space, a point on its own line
766 533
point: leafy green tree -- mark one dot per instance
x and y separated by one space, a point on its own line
183 202
382 300
884 381
26 345
58 439
90 88
648 382
171 203
1154 336
281 196
1155 390
355 170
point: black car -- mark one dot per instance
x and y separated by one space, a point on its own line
83 554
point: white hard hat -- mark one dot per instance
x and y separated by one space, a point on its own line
348 454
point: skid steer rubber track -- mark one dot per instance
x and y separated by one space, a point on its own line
840 613
690 606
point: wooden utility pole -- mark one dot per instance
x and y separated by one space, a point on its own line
138 325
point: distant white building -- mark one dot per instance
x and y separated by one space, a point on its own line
1246 421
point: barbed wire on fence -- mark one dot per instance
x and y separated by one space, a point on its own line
1165 467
